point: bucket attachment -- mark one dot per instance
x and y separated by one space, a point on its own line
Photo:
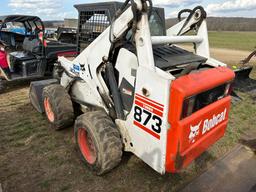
243 73
243 82
36 91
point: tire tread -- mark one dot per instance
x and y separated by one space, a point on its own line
108 139
61 105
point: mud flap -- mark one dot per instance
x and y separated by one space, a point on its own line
35 93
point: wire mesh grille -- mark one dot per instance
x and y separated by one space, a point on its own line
91 25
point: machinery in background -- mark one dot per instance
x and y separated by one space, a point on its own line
50 33
243 81
66 35
37 55
12 33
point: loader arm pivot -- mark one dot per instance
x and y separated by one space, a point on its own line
196 21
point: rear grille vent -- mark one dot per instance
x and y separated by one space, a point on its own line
197 102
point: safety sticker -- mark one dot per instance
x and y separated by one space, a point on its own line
76 68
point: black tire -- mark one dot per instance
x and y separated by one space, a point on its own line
2 86
104 140
58 106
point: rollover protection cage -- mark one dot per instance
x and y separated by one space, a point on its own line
94 18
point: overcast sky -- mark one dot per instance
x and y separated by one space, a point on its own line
59 9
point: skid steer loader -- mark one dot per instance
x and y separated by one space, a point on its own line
140 93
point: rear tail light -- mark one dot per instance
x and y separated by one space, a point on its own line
197 102
229 89
188 106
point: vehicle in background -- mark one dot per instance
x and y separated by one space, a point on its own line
50 33
12 33
37 55
66 35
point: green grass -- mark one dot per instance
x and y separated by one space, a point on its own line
233 40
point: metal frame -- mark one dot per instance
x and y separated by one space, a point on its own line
110 9
177 35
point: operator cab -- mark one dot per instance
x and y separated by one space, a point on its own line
96 17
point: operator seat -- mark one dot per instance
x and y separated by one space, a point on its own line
32 47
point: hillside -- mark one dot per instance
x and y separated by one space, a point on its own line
224 23
214 23
56 23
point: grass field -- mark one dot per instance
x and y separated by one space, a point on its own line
233 40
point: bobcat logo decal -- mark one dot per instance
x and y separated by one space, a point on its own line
194 132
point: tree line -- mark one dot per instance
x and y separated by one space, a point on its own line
224 23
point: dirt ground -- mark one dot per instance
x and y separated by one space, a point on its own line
232 57
229 56
33 157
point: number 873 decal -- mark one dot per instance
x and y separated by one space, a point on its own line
148 115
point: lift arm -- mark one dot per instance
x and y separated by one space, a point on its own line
196 21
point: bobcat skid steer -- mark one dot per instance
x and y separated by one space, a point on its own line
141 93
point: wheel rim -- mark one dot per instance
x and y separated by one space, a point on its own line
48 110
86 146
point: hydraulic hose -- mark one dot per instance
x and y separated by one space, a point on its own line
149 8
115 43
183 11
191 14
114 91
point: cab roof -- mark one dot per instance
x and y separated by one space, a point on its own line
19 18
